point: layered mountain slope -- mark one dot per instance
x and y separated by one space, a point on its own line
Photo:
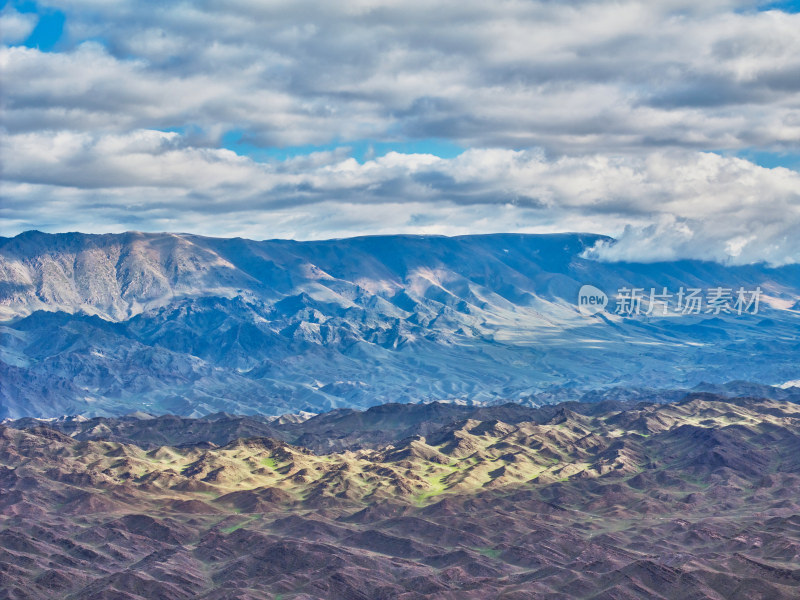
108 324
694 499
118 276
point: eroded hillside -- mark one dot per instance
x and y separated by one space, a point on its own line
647 501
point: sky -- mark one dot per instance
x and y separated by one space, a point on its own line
671 125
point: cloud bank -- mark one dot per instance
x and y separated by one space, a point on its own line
244 118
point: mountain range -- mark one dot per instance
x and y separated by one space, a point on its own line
105 325
689 499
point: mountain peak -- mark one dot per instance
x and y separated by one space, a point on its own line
204 325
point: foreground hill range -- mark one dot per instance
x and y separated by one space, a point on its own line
110 324
699 498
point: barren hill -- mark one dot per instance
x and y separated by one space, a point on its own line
697 498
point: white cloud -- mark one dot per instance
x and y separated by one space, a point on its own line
619 76
15 26
665 205
587 115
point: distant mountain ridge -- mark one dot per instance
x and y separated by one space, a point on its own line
117 276
350 429
167 323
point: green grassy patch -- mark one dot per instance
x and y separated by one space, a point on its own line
269 462
437 487
233 528
489 552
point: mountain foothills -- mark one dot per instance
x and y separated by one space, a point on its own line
693 499
110 324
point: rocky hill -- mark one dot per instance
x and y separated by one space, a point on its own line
181 324
691 499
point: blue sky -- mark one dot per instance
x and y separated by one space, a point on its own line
361 150
790 6
304 119
48 30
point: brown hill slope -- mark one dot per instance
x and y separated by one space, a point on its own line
696 499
